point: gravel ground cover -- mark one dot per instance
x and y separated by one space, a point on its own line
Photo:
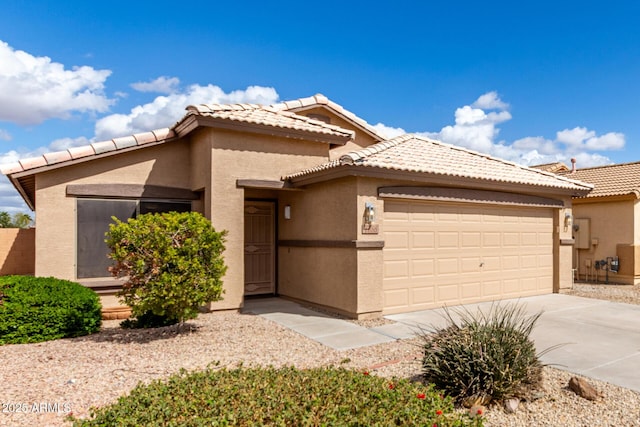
42 382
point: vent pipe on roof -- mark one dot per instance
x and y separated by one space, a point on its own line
573 164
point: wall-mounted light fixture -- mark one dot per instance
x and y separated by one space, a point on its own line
287 212
568 219
369 213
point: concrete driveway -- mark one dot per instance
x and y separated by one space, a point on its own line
601 339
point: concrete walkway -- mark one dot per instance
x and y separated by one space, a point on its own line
600 339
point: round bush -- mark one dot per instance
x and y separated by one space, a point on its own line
172 261
484 357
35 309
282 397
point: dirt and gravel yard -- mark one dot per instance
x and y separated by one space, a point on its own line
42 382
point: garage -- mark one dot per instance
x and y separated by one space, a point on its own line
451 253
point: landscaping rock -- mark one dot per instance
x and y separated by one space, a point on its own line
583 389
511 405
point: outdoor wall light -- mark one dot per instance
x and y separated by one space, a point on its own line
568 219
369 213
287 212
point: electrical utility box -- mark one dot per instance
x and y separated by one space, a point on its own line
582 233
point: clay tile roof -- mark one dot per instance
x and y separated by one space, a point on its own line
612 180
414 153
75 153
555 167
303 104
268 116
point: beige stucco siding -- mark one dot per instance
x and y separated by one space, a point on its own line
612 227
245 156
361 140
164 165
323 216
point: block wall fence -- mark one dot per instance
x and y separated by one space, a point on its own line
17 251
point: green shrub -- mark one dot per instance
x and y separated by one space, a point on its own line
147 320
34 309
173 263
283 396
484 357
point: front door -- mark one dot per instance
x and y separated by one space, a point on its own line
259 248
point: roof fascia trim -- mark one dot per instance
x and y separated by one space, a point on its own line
444 194
426 177
192 122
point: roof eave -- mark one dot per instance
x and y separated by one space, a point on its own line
587 198
29 199
192 122
431 178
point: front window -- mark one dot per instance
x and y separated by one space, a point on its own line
94 217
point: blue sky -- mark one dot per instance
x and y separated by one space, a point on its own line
528 82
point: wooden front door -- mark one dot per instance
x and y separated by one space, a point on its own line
259 248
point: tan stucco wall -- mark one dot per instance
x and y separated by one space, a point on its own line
361 140
17 251
322 275
165 165
244 156
612 225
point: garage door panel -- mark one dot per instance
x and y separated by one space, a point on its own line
510 239
422 267
448 239
545 260
471 264
471 239
423 240
452 254
396 269
491 263
447 266
491 239
423 295
471 290
396 239
396 298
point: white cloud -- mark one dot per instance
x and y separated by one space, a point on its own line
476 128
580 138
538 143
387 131
160 85
5 136
164 111
34 89
490 101
608 141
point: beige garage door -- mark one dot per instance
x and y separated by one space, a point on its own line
437 254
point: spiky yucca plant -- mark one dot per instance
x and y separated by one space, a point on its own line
483 357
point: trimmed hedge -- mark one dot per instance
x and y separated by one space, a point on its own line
282 397
35 309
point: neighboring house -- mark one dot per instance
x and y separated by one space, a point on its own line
607 222
318 206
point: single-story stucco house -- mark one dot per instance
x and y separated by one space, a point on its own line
607 222
318 207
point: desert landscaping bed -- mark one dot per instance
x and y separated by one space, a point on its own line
76 374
